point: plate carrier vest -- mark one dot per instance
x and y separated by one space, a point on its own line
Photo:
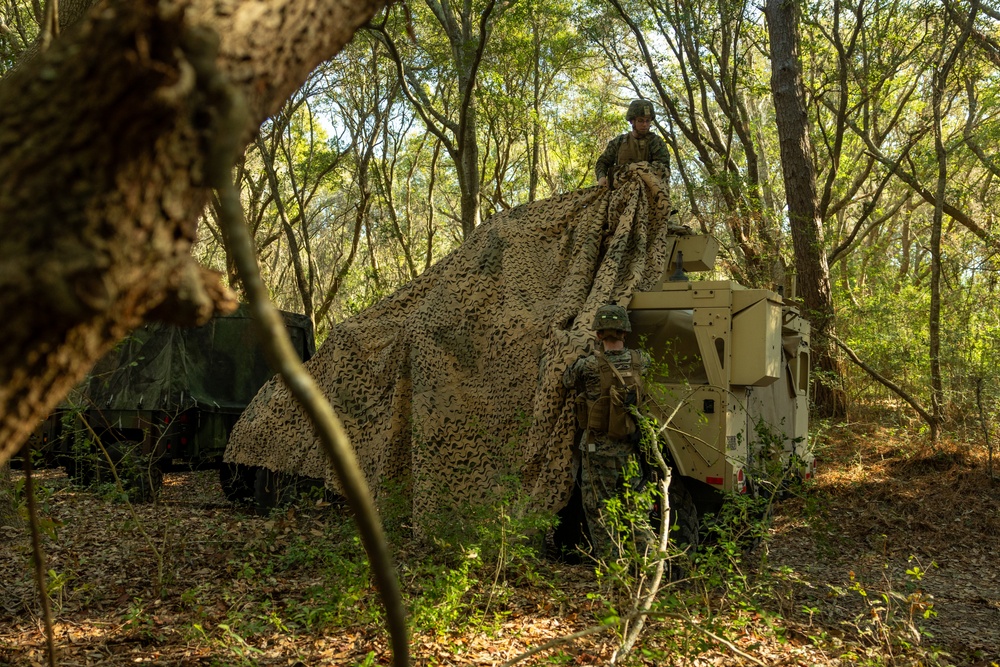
621 387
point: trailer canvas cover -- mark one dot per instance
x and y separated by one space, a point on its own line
215 367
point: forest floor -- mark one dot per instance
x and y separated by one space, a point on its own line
889 558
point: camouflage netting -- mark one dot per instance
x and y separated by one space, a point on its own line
454 382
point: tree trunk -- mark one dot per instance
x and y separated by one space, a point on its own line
934 325
104 142
467 155
934 316
468 172
536 109
803 204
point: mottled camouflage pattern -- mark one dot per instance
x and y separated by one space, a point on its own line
612 317
638 108
602 458
608 160
584 374
600 481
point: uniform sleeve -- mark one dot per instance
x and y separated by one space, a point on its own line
658 151
572 373
608 158
646 361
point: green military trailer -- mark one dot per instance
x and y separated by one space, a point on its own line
167 398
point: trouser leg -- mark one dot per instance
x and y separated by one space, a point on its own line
599 483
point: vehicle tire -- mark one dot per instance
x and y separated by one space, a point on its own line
684 524
143 481
81 467
238 482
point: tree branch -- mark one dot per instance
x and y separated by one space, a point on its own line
463 112
865 212
956 214
282 356
989 162
423 106
884 381
79 270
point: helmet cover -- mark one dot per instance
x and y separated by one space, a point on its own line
638 108
612 316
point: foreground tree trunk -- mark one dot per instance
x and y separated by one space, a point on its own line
803 203
105 140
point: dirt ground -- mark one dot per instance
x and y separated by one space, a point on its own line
887 505
883 504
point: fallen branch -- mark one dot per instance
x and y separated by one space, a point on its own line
881 379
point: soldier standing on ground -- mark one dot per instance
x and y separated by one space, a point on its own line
639 145
606 382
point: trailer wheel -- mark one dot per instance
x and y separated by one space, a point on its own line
79 472
143 480
238 482
80 461
141 476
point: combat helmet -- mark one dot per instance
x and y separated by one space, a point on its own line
612 317
638 108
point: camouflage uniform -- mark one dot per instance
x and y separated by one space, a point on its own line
654 147
602 458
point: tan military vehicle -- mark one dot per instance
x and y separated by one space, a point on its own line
730 381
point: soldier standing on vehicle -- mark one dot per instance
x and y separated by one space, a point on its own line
639 145
608 383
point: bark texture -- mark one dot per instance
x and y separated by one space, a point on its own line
105 141
803 203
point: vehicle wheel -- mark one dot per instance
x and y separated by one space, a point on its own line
238 482
684 524
683 516
143 480
80 466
